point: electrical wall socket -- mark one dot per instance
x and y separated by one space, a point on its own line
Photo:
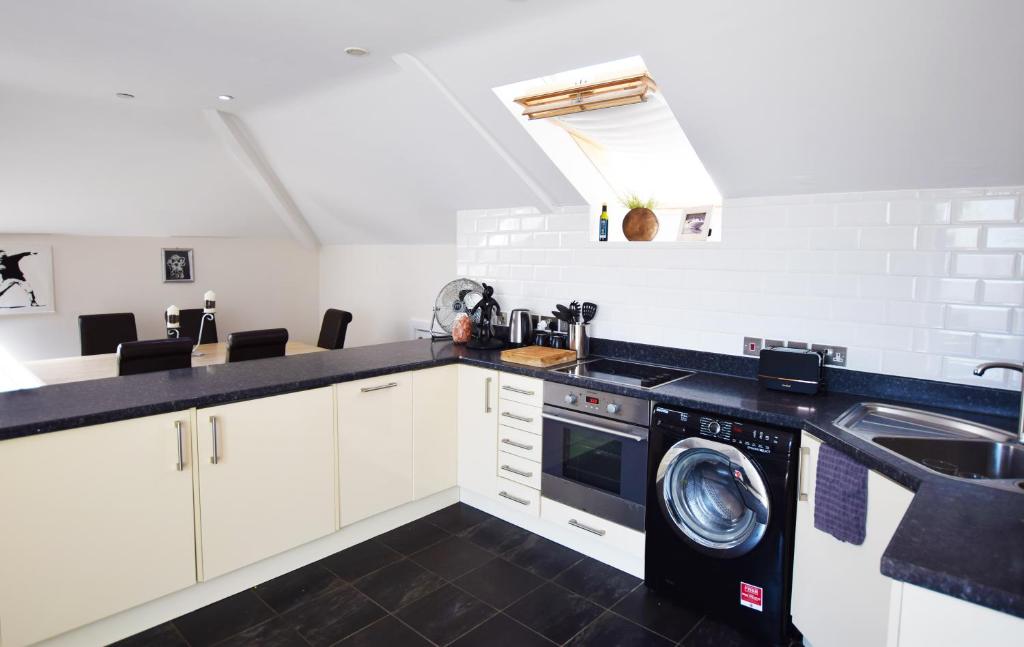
796 344
774 343
832 355
752 346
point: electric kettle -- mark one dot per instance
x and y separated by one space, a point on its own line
520 327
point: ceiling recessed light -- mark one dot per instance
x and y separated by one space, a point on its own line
356 51
124 95
225 97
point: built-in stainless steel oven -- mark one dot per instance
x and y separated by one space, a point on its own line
595 452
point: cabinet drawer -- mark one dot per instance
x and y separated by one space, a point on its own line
518 497
519 469
525 390
596 528
519 442
521 416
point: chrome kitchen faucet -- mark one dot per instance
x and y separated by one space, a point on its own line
980 370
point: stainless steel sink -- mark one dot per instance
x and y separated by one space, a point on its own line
966 459
869 419
944 444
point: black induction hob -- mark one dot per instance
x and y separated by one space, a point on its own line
645 376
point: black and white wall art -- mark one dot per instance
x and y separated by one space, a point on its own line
178 266
26 279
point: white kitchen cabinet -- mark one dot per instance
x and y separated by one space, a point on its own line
928 619
478 430
375 445
593 528
840 597
95 520
434 430
266 477
522 389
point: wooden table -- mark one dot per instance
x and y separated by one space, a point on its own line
94 367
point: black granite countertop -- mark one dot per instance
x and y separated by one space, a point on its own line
958 537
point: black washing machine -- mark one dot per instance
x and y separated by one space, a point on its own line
721 504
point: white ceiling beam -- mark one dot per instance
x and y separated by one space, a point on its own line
410 63
259 171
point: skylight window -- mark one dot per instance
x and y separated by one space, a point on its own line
623 140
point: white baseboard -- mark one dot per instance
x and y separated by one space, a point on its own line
142 617
630 563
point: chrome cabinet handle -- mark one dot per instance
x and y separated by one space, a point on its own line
213 432
506 414
487 394
389 385
577 524
508 496
506 441
180 465
515 471
805 455
515 390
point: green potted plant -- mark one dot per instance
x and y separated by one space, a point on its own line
640 223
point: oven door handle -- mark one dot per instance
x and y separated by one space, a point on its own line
587 425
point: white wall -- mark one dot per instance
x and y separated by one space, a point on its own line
915 283
383 286
260 283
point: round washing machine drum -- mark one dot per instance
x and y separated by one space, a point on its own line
713 497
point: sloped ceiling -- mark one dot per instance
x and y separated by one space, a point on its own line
777 98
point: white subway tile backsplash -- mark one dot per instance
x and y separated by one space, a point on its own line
978 318
1005 237
1008 347
958 369
917 283
918 263
919 212
947 237
996 266
887 238
851 214
987 210
946 290
1009 293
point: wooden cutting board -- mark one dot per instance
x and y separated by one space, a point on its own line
540 356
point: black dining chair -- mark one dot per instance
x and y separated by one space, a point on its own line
256 344
102 333
134 357
333 328
190 320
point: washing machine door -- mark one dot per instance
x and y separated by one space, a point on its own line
713 497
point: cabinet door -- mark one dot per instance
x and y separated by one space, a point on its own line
94 521
840 597
434 430
267 485
478 429
374 445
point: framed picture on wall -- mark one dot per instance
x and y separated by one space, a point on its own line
26 279
178 266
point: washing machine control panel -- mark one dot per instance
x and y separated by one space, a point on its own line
749 436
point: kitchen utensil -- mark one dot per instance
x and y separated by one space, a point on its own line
541 338
520 327
559 340
588 311
579 339
538 356
574 308
566 313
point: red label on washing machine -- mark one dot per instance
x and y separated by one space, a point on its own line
752 596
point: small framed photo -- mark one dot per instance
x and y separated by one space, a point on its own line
178 265
695 224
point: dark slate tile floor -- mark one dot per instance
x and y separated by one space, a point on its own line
456 577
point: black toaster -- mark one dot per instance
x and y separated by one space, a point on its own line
797 370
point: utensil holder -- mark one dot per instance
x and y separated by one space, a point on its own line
579 339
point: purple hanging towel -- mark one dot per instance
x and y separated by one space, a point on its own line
841 496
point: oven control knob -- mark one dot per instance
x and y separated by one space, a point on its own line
614 408
570 398
714 427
